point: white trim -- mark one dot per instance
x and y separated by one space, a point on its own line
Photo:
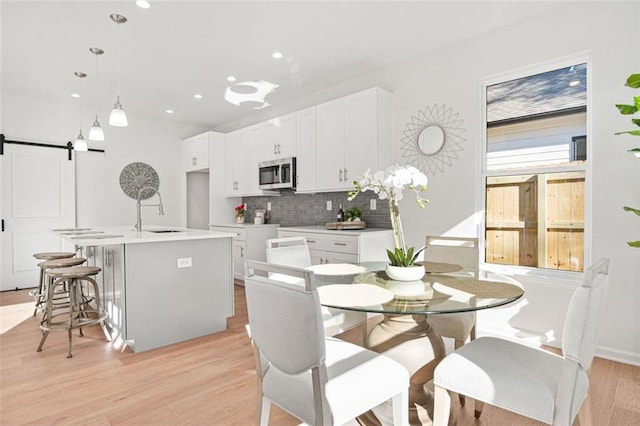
581 57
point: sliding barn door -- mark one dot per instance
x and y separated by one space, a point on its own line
38 195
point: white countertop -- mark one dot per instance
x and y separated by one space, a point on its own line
245 225
103 236
323 230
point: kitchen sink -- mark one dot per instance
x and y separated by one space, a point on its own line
96 237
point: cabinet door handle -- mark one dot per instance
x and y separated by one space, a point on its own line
345 175
340 244
326 261
340 178
278 148
311 241
321 261
241 251
194 161
274 149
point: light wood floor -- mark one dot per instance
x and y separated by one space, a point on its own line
206 381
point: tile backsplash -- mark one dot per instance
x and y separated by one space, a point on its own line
291 209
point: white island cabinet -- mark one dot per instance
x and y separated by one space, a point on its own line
161 287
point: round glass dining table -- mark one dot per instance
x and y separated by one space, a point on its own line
404 333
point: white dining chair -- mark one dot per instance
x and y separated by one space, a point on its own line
463 251
320 380
526 380
293 251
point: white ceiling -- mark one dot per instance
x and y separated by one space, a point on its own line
178 48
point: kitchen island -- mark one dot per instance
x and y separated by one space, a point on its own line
162 285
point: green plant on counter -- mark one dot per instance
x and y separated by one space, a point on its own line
633 81
353 213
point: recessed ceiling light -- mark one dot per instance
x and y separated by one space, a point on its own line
197 96
143 4
277 55
75 95
169 111
231 78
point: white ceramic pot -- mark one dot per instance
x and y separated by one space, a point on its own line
405 273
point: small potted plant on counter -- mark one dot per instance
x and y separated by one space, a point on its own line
353 214
240 213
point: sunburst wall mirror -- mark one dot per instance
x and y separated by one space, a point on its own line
433 139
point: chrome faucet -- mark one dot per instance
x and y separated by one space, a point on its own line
140 205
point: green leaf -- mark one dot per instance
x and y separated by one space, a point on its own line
627 109
392 258
636 100
635 151
636 121
630 132
633 81
631 209
634 244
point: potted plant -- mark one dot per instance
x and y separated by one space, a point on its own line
633 81
389 184
353 214
240 210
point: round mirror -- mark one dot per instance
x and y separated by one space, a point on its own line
431 139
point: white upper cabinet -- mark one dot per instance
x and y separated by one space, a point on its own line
236 144
195 153
353 135
306 150
243 148
279 138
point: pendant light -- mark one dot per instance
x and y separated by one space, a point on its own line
96 133
118 117
81 144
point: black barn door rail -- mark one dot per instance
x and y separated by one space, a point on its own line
68 146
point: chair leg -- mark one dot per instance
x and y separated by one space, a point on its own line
457 345
265 407
479 405
400 406
442 407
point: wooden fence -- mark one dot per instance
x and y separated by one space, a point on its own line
536 220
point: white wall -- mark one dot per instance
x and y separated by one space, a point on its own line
100 200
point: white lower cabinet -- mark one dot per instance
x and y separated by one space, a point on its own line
250 243
326 246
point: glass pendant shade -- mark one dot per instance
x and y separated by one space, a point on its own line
81 144
118 118
96 133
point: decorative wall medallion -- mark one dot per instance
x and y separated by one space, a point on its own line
432 139
136 176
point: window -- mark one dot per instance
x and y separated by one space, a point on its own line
534 170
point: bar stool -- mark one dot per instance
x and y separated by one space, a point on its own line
50 255
47 265
78 313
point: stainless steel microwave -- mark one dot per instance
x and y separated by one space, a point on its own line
277 174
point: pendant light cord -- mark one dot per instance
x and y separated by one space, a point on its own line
118 62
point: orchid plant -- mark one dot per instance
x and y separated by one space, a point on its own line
389 185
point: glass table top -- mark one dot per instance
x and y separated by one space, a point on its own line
436 293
